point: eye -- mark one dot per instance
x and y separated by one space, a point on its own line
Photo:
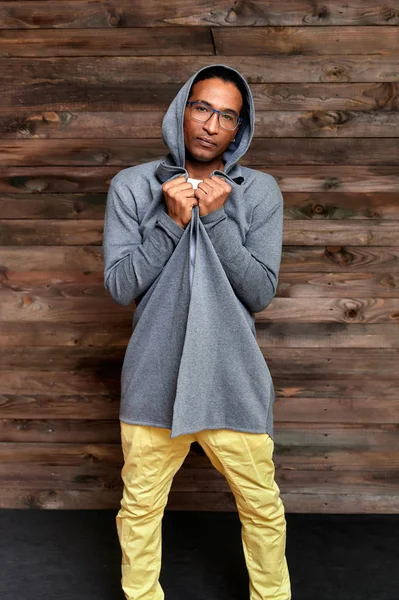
201 108
228 117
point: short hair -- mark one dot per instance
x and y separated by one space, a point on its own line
220 72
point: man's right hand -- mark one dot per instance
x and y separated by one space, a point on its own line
180 199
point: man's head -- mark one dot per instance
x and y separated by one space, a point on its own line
221 89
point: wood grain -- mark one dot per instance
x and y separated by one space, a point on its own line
121 13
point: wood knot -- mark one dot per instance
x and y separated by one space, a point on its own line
338 255
114 21
351 313
231 16
318 209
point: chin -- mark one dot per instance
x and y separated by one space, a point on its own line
202 157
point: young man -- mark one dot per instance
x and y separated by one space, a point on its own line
195 239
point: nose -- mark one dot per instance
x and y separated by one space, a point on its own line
212 124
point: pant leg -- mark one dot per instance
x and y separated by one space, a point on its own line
151 459
245 459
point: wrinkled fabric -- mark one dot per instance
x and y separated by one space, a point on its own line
193 362
152 459
194 183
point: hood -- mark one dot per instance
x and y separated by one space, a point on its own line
172 125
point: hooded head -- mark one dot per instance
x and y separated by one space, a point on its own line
173 121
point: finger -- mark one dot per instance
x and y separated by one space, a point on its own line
221 181
181 187
206 186
199 193
173 182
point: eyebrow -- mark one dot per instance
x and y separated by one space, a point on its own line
222 109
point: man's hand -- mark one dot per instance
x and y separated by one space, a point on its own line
180 200
212 193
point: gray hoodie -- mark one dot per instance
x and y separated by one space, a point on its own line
192 361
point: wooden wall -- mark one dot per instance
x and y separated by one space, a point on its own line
84 86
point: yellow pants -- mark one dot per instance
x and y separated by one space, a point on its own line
152 458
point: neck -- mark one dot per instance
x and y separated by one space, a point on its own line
200 170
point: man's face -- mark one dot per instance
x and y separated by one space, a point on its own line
222 95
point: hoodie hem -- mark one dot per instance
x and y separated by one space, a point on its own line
196 430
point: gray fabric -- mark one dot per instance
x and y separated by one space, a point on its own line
193 362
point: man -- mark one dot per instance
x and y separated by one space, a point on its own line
195 239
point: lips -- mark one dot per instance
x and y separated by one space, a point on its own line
206 143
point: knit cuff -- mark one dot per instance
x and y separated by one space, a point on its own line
215 215
170 226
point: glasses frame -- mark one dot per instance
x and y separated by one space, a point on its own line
214 110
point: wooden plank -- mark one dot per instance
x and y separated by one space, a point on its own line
58 411
85 14
53 359
65 412
291 361
70 429
305 386
341 503
314 41
314 436
82 309
61 413
368 409
117 331
90 382
230 41
188 480
295 259
207 501
336 259
57 258
297 205
328 285
298 178
125 151
334 232
350 447
330 124
154 41
329 335
356 82
77 284
53 206
72 499
348 310
283 362
340 205
63 232
51 285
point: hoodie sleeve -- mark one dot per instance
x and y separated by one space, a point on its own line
252 268
131 263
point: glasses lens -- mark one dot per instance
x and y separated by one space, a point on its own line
200 112
228 121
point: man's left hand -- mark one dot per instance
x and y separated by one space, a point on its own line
212 193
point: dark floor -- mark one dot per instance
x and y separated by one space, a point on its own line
75 555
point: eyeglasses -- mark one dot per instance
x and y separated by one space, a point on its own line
202 112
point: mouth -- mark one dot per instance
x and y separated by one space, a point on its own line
206 143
